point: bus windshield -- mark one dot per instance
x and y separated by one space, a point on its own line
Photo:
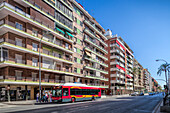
57 93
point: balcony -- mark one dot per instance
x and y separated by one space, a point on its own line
115 81
97 77
29 80
114 63
43 11
114 57
114 69
58 9
94 69
94 44
94 28
22 64
18 46
98 54
10 26
9 9
93 35
114 75
93 60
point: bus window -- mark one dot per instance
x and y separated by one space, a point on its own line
72 91
57 93
65 91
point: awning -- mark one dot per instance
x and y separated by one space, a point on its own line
69 34
60 30
87 53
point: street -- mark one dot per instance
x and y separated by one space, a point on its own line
129 104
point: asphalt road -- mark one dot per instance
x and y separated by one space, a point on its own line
137 104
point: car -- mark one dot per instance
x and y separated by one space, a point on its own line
141 94
135 94
150 93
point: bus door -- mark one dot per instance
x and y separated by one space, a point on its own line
66 95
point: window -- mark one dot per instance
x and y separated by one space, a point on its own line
75 49
34 32
18 74
75 70
18 42
34 47
75 59
18 26
18 58
34 76
67 46
34 62
65 91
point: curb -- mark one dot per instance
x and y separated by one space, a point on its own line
11 103
157 106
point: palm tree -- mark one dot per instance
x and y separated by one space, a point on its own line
164 68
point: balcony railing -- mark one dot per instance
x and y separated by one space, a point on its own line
98 46
28 79
44 11
34 19
14 42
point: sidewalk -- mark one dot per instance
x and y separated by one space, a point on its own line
28 102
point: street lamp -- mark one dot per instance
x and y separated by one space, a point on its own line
161 60
40 71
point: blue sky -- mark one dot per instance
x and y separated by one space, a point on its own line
143 24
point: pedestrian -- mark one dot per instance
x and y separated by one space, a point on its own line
46 97
43 98
37 96
50 95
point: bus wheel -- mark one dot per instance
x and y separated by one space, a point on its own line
93 98
72 100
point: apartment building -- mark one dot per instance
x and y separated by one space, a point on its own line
138 76
154 85
89 48
147 77
120 61
57 35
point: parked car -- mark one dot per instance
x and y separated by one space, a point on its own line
135 94
141 94
150 93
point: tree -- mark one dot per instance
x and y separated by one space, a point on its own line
164 68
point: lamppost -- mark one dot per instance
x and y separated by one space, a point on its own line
40 71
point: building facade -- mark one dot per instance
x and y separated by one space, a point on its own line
120 61
57 36
147 80
138 76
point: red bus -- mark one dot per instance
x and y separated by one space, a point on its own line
71 92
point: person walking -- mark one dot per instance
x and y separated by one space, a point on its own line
46 97
37 97
50 95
